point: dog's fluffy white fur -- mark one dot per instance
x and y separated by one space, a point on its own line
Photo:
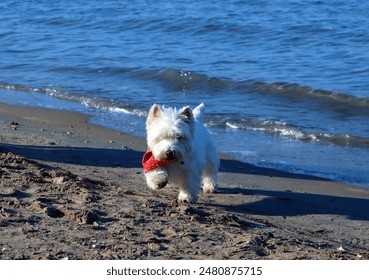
180 136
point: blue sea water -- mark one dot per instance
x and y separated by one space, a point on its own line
285 83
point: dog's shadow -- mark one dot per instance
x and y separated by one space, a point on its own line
289 203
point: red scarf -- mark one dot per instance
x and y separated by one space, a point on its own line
150 163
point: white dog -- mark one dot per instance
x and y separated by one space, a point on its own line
180 152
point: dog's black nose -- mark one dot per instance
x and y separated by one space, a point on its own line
170 154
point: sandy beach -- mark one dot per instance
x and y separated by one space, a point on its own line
73 190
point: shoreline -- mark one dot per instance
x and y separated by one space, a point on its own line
82 185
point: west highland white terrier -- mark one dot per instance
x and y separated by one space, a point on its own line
180 152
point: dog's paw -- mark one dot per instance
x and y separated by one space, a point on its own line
157 179
185 198
209 190
158 186
208 186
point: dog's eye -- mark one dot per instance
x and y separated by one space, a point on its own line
179 137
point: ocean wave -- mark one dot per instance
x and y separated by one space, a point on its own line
337 100
90 102
288 131
183 80
194 80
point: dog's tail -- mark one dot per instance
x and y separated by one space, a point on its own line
199 112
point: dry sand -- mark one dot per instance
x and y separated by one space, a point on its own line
73 190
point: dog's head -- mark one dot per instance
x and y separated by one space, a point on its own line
170 132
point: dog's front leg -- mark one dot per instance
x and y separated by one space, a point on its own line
190 187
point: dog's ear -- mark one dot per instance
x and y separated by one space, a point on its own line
187 115
154 113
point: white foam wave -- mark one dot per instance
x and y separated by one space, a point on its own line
120 110
232 125
290 133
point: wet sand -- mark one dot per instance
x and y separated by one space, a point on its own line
73 190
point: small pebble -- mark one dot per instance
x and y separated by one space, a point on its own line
341 249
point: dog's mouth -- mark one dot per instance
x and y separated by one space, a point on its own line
149 162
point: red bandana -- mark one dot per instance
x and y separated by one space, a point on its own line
150 163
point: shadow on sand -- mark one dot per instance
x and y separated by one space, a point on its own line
109 157
99 157
289 203
272 203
